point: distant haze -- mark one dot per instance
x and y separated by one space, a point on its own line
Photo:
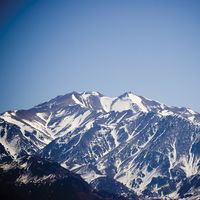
48 48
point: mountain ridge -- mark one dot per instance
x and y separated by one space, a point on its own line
98 136
32 177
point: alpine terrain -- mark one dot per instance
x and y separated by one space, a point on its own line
128 146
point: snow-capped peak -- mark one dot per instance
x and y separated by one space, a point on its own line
96 101
138 101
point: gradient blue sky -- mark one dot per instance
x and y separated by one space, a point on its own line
48 48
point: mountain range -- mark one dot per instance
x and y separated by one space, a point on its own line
129 145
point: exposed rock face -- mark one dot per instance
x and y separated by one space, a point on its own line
34 178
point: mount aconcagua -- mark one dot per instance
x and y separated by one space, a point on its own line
128 144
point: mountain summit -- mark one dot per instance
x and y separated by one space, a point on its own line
149 147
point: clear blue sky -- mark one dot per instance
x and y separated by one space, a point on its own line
48 48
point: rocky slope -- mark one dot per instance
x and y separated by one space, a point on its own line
32 178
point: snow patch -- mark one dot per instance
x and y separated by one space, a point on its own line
106 103
138 101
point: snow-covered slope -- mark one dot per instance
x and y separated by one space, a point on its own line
151 148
